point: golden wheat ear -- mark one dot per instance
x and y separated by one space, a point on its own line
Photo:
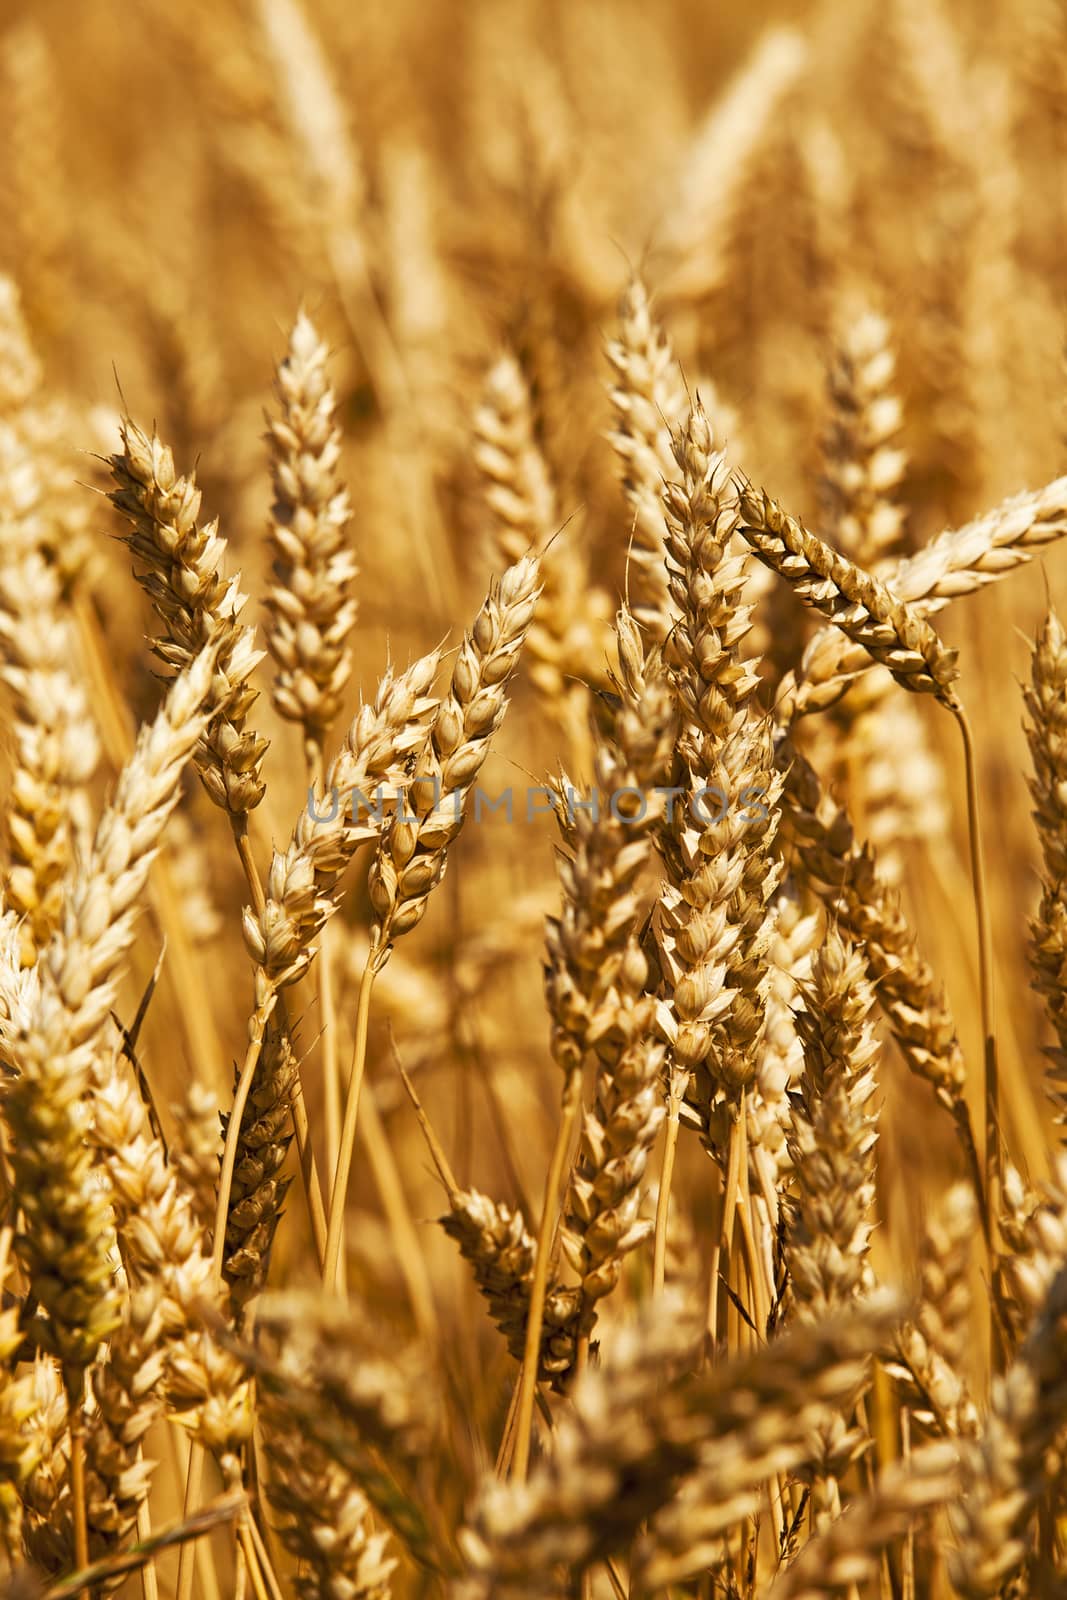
649 402
312 611
891 631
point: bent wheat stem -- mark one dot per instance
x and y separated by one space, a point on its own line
331 1071
572 1094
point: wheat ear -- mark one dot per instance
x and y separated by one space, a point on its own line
846 876
957 562
55 738
891 631
862 465
831 1143
1046 731
312 611
899 637
182 577
413 850
648 401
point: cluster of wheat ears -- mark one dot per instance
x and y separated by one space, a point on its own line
604 1202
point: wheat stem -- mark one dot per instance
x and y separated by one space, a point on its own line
259 1587
335 1229
194 1478
77 1490
993 1161
535 1316
331 1071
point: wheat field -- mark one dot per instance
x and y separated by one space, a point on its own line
533 943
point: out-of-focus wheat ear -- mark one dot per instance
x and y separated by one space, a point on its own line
65 1245
890 630
55 739
643 1426
862 465
933 1346
34 193
649 401
19 1449
903 1499
325 1515
1046 731
20 369
566 636
1010 1472
181 561
370 1407
713 189
312 612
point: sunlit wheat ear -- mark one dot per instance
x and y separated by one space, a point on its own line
168 1265
891 631
55 739
621 1455
413 849
904 1497
312 611
714 680
181 575
956 563
1046 731
648 400
412 854
362 782
64 1247
845 875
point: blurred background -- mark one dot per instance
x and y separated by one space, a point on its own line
439 183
